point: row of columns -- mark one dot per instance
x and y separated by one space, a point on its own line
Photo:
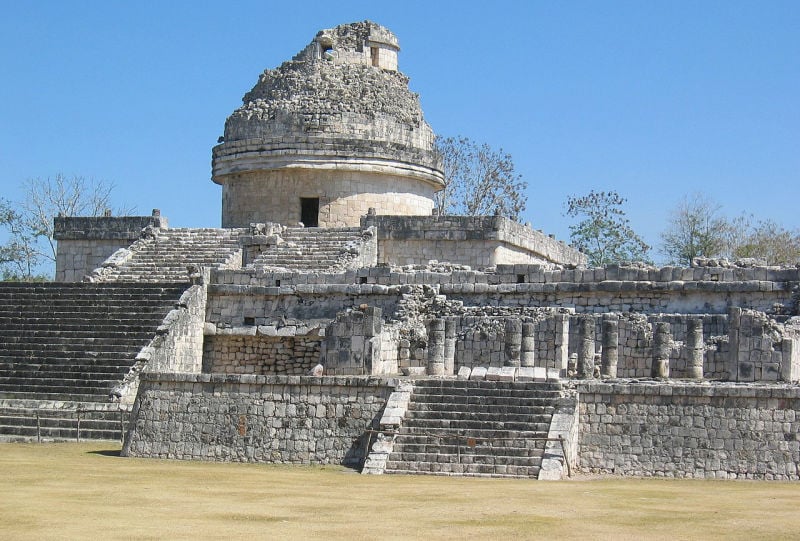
662 345
520 346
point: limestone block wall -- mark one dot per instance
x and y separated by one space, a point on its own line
177 346
352 344
344 196
765 350
77 258
690 430
477 241
667 290
248 418
84 242
260 355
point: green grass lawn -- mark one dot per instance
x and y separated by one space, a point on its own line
86 491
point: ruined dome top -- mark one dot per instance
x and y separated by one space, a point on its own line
342 86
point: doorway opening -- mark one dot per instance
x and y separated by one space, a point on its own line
309 211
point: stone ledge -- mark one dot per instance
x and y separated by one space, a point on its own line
679 388
250 379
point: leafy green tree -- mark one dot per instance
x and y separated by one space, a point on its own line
602 231
479 180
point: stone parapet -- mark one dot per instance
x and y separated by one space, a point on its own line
532 285
85 242
478 241
722 431
252 418
126 228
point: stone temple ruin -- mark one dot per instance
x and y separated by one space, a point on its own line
336 318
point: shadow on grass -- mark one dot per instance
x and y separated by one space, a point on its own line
104 452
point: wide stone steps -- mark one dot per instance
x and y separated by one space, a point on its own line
464 469
32 350
51 396
458 408
167 256
25 423
86 368
474 428
310 248
451 418
59 393
64 343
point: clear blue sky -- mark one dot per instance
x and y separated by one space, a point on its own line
653 99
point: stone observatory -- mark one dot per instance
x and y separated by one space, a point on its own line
328 135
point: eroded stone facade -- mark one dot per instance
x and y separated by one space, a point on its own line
670 371
336 124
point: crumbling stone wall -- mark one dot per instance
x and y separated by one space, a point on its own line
690 430
176 347
260 355
670 290
477 241
248 418
352 344
765 349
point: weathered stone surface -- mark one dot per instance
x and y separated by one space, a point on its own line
690 430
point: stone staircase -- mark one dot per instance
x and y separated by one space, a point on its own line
64 346
474 428
312 248
32 420
165 256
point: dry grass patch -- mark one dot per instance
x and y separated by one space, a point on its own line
86 491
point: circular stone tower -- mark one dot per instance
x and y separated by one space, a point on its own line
328 135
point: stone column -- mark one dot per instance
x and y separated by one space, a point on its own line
513 343
695 344
449 346
608 362
561 342
528 347
586 347
661 348
734 340
436 340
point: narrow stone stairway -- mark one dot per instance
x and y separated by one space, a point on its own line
312 248
166 256
474 428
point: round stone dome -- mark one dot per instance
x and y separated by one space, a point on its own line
337 122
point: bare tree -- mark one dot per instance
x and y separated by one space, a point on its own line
696 229
766 240
479 180
29 223
604 233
